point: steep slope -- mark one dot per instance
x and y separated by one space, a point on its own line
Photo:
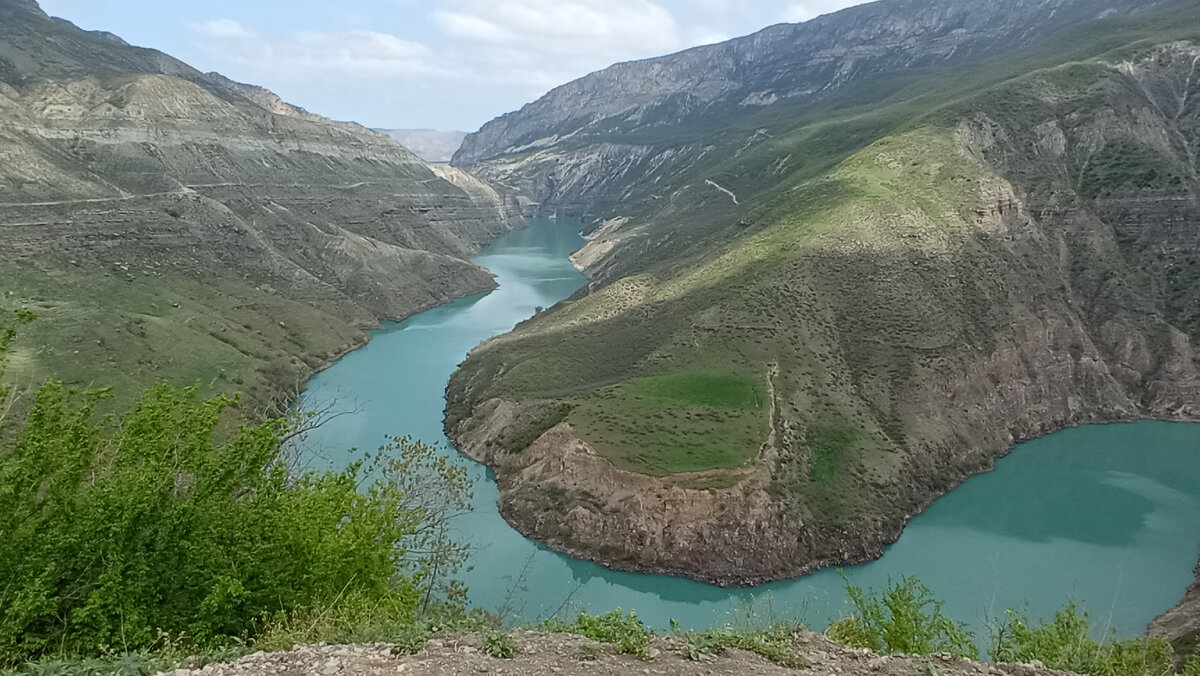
801 334
169 223
594 144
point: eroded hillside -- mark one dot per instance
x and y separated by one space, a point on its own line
824 321
166 223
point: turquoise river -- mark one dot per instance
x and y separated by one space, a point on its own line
1105 515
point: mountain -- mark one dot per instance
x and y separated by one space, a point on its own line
837 268
168 223
430 145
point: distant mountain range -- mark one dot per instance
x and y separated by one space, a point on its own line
430 145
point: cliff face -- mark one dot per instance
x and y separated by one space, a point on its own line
123 163
904 288
587 146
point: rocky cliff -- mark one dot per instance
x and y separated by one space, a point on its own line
810 323
258 236
592 144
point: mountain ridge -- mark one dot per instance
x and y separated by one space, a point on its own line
914 276
213 215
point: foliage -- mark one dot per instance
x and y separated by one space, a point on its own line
626 632
436 490
357 618
904 618
499 644
774 643
8 332
161 519
167 653
1065 643
589 652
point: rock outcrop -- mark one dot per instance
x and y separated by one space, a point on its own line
590 145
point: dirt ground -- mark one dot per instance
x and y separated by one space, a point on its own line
567 655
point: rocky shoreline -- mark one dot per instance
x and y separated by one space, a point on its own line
561 465
1181 625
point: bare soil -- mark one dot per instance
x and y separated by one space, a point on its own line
569 655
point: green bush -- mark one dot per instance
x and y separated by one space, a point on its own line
626 632
589 652
113 532
774 643
905 619
170 520
499 644
1065 643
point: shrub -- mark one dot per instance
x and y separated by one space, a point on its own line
905 618
499 644
1065 643
170 520
775 644
114 532
589 652
626 632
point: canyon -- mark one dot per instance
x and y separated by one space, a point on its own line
911 233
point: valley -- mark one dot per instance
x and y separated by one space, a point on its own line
911 288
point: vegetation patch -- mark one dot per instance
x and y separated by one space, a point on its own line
106 515
686 422
713 390
775 644
1121 164
1066 643
905 619
625 631
833 445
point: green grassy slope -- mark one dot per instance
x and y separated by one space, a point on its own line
167 224
916 280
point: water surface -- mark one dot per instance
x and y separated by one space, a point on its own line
1105 515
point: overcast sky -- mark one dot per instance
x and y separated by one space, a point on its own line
444 64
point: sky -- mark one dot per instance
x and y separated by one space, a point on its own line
440 64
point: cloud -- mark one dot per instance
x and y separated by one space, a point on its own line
460 62
537 44
224 29
354 54
611 28
803 10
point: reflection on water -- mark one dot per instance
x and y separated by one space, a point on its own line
1105 515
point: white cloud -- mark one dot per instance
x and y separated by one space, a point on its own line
468 59
612 28
224 29
537 44
355 54
803 10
